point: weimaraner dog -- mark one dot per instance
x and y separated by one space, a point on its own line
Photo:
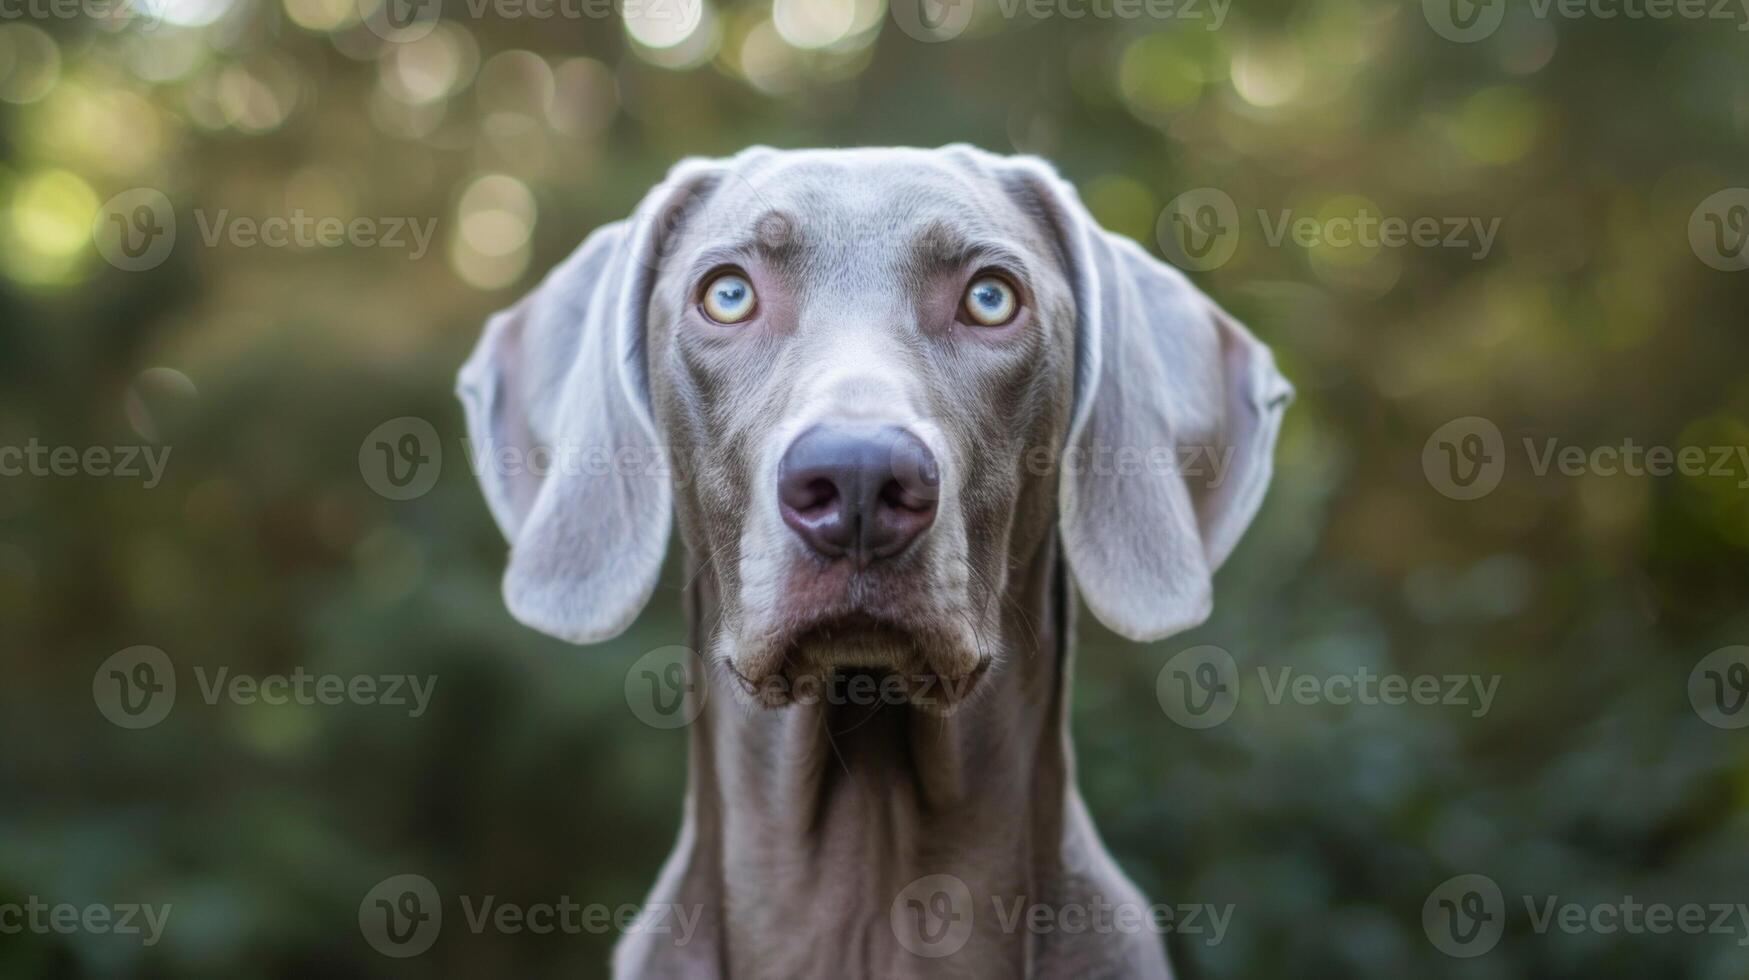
903 406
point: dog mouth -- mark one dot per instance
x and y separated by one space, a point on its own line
859 659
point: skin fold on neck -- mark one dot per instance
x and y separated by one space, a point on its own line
814 816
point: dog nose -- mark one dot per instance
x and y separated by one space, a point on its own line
865 491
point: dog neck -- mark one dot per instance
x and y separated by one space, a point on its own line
854 764
804 824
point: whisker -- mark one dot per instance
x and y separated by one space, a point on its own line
1025 619
704 564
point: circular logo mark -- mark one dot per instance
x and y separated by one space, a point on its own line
1464 916
136 687
1199 229
660 226
666 687
932 916
401 458
400 21
1198 688
1718 687
1464 21
1718 230
135 230
930 21
1465 458
914 462
401 916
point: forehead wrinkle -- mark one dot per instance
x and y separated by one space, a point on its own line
940 250
775 236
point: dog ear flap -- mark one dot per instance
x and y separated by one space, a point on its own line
1172 441
562 438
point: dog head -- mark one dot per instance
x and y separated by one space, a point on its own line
866 385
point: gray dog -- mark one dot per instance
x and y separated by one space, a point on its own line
903 406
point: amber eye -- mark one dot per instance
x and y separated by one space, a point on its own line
990 302
729 298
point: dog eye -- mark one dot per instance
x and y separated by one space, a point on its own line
729 298
990 302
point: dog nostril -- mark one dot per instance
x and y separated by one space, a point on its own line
895 494
814 496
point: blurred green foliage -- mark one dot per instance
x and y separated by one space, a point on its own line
1591 320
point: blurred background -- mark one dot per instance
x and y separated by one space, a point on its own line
140 142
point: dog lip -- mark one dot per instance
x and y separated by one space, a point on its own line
857 626
934 671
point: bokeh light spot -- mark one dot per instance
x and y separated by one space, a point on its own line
48 226
495 220
661 23
813 23
30 63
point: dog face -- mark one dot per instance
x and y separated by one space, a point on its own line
855 420
867 384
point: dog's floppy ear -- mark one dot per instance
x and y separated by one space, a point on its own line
1170 449
558 412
